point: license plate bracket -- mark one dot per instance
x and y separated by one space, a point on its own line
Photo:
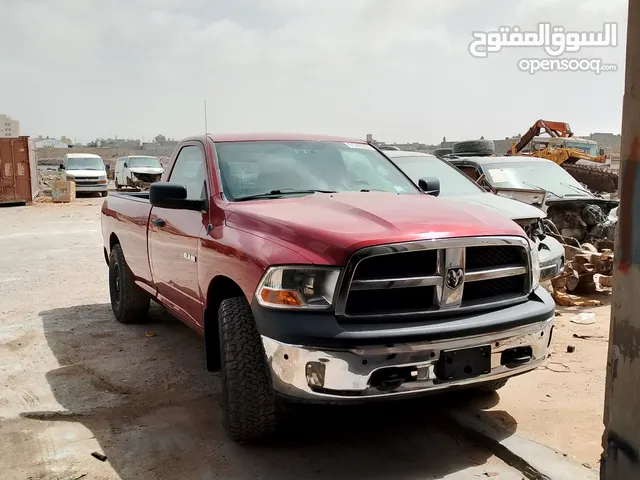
464 363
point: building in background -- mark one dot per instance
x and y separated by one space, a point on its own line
48 142
9 127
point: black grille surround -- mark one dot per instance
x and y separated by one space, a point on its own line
434 278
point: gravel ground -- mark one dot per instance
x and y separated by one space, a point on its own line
75 382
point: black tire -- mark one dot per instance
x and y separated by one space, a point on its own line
492 386
130 304
440 152
474 148
104 194
250 406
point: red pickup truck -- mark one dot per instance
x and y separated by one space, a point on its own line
317 271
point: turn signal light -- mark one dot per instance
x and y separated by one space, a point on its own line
280 297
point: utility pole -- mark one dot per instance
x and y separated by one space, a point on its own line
621 438
206 130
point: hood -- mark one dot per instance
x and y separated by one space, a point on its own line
151 170
328 228
513 209
86 173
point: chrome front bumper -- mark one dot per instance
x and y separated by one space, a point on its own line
345 375
91 188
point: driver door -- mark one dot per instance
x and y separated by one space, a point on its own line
174 239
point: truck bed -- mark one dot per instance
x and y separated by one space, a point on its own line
125 221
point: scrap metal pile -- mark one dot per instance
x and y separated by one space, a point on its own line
587 232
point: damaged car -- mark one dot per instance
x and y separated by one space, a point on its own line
137 171
441 179
583 222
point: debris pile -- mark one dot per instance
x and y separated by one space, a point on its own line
46 177
587 231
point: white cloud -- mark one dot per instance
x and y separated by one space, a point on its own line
400 69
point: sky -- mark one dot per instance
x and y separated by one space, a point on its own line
400 70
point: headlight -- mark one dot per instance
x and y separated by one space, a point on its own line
70 178
535 265
298 287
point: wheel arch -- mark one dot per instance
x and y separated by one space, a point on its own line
113 241
220 288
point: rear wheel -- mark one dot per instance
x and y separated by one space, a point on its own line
104 194
130 304
250 406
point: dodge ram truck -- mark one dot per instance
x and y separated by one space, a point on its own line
316 271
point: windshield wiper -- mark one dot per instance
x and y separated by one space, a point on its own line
543 189
577 188
280 193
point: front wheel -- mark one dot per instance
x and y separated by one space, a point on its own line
250 406
130 304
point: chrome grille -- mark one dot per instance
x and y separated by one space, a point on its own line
429 277
86 180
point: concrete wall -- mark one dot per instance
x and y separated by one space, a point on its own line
53 156
608 140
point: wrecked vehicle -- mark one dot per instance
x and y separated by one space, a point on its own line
583 222
137 171
455 186
314 279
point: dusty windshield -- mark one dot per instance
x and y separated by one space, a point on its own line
585 147
149 162
84 163
254 168
452 181
531 175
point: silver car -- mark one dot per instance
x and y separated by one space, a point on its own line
456 186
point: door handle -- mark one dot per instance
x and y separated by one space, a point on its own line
158 222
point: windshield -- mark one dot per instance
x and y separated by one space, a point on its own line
84 163
531 175
452 181
151 162
253 168
585 147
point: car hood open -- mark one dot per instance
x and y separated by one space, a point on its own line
513 209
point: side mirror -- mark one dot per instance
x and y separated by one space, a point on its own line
125 165
172 195
61 167
430 185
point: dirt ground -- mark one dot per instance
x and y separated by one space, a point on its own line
73 382
561 405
